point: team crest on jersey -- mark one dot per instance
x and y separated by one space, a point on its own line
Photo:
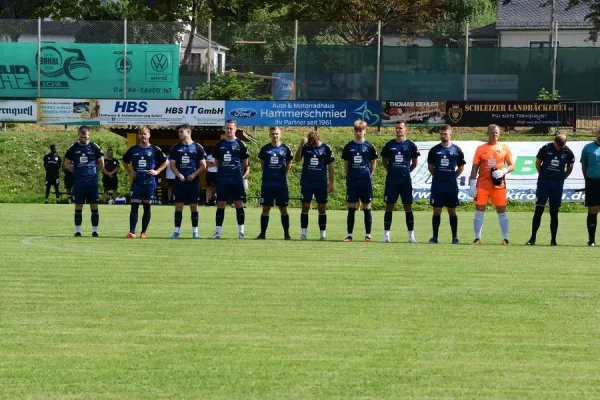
498 151
455 114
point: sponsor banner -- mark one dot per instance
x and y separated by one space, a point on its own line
414 112
303 113
569 195
18 111
524 177
132 112
510 113
89 70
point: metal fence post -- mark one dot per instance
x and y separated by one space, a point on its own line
377 93
465 78
555 44
39 59
125 58
295 59
209 55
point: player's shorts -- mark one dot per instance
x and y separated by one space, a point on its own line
592 192
364 193
497 195
85 192
52 180
269 196
444 197
142 192
394 190
211 179
550 192
320 194
69 180
186 192
226 190
110 183
171 182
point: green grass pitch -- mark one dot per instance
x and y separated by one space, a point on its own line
111 318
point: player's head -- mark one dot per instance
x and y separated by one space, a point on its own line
401 130
275 134
109 153
84 134
143 134
230 128
560 141
445 133
53 148
185 132
313 138
493 132
360 129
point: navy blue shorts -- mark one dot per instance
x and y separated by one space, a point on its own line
142 192
395 190
186 192
444 197
269 196
229 190
85 192
320 194
550 193
364 193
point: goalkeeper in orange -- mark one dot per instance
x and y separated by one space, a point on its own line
491 163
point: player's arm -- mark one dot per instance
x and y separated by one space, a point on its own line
414 159
474 171
201 167
101 166
246 168
538 165
127 168
298 156
374 156
373 165
330 171
45 162
569 170
459 170
116 170
68 165
413 163
345 167
175 171
288 166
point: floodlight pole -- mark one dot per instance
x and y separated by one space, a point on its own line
295 59
465 78
125 58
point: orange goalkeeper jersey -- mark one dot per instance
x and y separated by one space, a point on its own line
487 157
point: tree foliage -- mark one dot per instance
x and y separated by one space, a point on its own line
593 16
230 86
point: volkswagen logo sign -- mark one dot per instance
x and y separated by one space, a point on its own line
242 113
159 62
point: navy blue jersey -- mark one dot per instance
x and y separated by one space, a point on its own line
230 156
84 159
554 162
52 164
187 158
275 160
399 158
359 157
445 161
314 168
142 160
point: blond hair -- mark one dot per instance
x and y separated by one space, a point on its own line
360 124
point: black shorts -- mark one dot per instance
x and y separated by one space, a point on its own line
171 182
211 179
52 180
110 183
592 192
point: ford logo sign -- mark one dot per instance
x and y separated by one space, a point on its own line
242 113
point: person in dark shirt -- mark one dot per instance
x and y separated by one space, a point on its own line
360 159
52 165
554 163
445 161
231 158
187 160
147 162
316 179
276 161
110 180
84 158
400 157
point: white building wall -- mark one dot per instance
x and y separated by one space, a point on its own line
566 38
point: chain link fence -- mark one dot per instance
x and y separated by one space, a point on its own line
298 60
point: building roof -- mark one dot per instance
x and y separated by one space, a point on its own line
530 14
485 32
201 42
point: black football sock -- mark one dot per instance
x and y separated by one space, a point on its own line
410 221
195 219
146 217
178 218
264 223
368 220
304 221
591 225
454 225
133 216
95 218
387 220
78 217
47 191
285 222
536 221
240 215
56 192
322 222
220 216
349 220
553 222
435 224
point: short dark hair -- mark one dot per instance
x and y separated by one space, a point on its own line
184 126
52 146
445 127
231 121
560 140
273 128
83 128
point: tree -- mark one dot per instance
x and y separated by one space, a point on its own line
230 86
593 16
457 12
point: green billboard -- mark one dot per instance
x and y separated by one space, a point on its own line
73 70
